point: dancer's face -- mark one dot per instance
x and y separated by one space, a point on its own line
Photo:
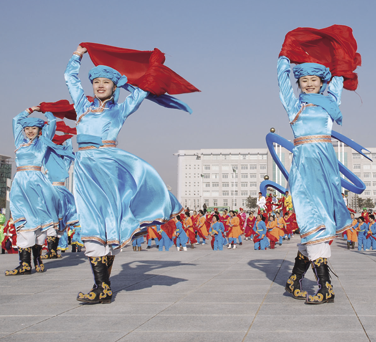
103 88
31 132
310 84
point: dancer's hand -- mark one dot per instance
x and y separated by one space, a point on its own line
81 50
35 108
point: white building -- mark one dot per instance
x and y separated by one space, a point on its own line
226 177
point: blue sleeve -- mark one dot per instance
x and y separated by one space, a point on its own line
18 129
286 93
48 131
68 161
133 101
335 89
74 85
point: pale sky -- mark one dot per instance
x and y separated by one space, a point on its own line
227 49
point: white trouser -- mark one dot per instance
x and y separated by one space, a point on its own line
51 231
29 239
313 252
96 249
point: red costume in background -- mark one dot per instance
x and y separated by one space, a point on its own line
10 238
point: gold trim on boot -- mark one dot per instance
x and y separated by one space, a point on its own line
294 283
25 263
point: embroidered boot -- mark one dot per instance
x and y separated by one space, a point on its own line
325 293
51 254
101 291
56 244
294 283
37 252
25 263
348 244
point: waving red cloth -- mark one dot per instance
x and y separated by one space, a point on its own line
61 109
62 127
144 69
169 228
333 46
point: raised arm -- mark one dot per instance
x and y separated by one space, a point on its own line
335 89
133 101
74 84
67 160
286 93
17 127
48 131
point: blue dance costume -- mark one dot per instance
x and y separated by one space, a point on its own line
314 176
181 235
260 229
117 193
217 229
33 199
57 163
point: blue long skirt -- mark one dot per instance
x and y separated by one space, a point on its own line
34 203
68 212
117 194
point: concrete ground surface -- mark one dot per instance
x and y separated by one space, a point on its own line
199 295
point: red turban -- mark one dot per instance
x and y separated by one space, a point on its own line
334 46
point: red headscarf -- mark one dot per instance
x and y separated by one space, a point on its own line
334 46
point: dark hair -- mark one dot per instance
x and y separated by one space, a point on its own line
232 211
262 217
372 217
178 217
361 218
286 213
201 212
216 212
216 216
187 213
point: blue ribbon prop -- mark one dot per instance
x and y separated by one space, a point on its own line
357 186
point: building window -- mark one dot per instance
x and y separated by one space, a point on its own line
234 175
262 166
206 185
374 183
244 202
356 166
234 202
262 176
367 174
215 193
215 167
244 193
367 193
224 175
207 167
234 156
225 202
367 183
252 175
225 193
358 174
374 174
225 167
206 193
356 156
244 167
206 201
253 193
253 185
244 175
234 184
206 175
374 193
243 184
225 185
215 175
263 156
367 167
234 192
252 156
215 202
215 185
253 166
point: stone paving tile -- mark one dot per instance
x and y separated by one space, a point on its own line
10 323
83 335
212 336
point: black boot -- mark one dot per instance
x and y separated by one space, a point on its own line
56 245
352 245
348 244
110 262
101 291
73 248
294 283
37 252
25 263
51 245
325 293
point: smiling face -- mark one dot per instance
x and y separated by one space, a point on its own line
31 132
310 84
103 88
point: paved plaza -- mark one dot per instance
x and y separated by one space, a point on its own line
199 295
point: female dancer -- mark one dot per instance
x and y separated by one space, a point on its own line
314 177
33 200
116 193
181 236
